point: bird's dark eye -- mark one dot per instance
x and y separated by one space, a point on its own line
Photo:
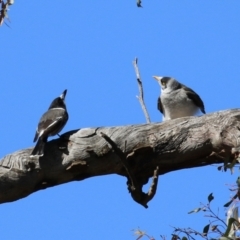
163 83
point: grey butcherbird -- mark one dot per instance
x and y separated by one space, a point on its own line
177 100
50 124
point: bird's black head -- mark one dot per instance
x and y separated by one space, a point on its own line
59 102
167 84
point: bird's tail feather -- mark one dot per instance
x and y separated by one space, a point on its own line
38 149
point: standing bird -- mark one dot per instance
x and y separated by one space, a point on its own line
177 100
50 124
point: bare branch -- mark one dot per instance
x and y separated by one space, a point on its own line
122 158
134 186
4 10
153 188
140 87
139 3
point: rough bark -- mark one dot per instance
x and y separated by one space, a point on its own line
168 146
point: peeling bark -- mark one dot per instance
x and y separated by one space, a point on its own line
172 145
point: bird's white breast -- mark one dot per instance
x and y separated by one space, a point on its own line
176 104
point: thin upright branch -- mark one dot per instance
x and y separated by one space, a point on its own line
140 87
214 215
139 3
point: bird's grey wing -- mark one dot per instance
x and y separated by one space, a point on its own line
51 119
36 136
159 105
195 98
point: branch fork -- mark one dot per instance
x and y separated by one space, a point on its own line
134 185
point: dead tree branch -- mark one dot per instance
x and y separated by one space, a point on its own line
140 87
122 157
4 10
134 186
151 148
139 3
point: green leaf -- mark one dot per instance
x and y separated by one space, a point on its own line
230 222
219 168
195 210
205 230
210 197
139 232
10 2
225 238
139 3
238 181
184 238
228 203
235 196
175 237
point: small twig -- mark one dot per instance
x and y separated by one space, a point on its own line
153 187
140 87
189 232
214 215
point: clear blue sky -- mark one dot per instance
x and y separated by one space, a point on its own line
87 47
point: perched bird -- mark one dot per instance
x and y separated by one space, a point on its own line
50 124
177 100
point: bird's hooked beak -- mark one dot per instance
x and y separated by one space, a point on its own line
158 79
62 96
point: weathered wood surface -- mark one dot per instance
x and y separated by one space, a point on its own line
77 155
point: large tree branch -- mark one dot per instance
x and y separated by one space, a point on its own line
77 155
